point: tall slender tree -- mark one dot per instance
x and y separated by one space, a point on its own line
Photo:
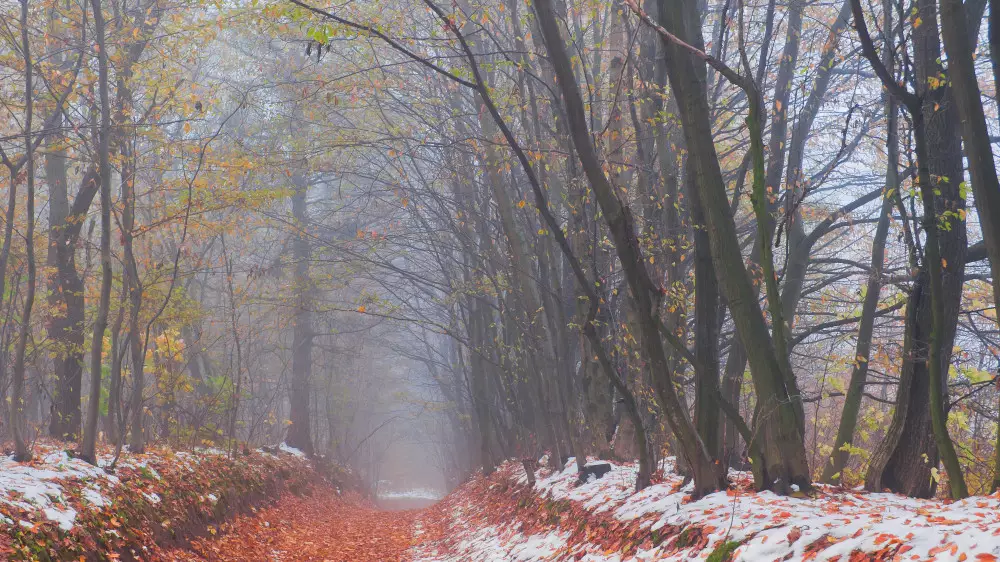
88 447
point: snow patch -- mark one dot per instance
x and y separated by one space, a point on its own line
38 486
291 450
64 517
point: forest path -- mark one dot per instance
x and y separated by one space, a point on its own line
322 527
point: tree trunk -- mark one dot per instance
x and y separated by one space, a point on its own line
782 91
116 425
299 433
541 204
833 471
781 433
135 339
978 149
799 244
18 427
65 325
477 321
941 337
543 389
994 38
88 448
708 417
903 461
707 476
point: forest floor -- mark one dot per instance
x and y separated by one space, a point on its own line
501 519
322 526
210 506
58 507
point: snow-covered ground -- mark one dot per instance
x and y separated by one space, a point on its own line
490 543
829 525
38 486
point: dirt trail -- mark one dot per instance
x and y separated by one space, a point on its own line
322 527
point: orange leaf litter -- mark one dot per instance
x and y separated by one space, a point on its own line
322 526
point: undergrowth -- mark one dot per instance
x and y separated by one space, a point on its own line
723 552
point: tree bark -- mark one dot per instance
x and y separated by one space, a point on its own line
917 435
978 149
65 324
22 453
782 91
137 441
708 416
799 244
780 434
299 433
833 471
994 39
116 425
480 392
88 447
707 476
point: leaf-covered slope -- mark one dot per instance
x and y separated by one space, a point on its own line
58 507
502 519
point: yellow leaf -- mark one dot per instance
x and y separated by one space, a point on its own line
520 204
361 309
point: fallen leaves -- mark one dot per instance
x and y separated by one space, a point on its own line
321 526
794 535
160 495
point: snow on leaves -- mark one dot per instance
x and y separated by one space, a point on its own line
58 508
603 521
